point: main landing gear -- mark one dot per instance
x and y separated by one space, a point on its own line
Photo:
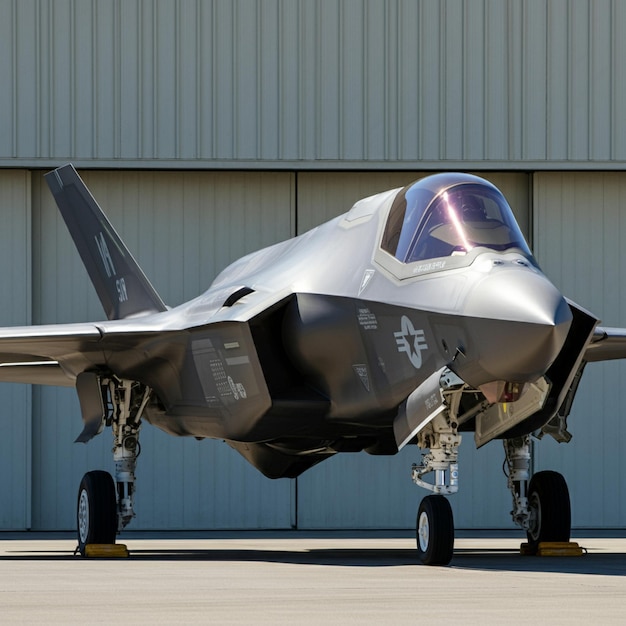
541 504
105 506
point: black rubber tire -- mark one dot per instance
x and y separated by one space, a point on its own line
435 531
548 499
96 510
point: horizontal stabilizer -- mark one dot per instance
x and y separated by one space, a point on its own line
122 287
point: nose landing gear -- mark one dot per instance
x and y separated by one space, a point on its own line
435 531
435 522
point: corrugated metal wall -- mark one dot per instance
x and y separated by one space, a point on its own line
580 238
313 83
15 400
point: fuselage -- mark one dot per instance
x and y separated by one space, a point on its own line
327 342
322 337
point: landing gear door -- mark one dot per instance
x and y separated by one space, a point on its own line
420 408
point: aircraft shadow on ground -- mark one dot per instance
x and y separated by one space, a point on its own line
605 564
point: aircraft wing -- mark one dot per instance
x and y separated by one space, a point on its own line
48 355
606 344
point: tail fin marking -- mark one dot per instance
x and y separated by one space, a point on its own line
122 287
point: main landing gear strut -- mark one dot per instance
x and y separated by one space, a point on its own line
105 506
541 504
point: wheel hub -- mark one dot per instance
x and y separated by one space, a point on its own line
83 516
534 521
423 532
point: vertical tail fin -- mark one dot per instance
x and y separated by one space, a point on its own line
122 287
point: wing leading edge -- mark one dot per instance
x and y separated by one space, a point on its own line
606 344
48 355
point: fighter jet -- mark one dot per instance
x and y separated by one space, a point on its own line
418 317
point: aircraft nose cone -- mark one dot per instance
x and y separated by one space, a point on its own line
522 295
520 321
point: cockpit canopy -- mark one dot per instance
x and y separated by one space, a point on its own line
449 214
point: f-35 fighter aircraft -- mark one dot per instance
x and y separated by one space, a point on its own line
417 316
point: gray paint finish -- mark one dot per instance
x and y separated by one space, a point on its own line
313 84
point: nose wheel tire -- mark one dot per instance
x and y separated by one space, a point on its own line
96 512
435 531
549 504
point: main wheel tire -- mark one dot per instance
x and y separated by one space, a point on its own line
548 500
435 531
96 511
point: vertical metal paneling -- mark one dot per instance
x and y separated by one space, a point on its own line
578 88
618 81
453 98
497 106
355 81
362 491
558 100
534 79
7 70
15 400
429 88
182 229
580 237
600 85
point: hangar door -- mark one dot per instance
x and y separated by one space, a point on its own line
182 228
363 491
15 404
580 239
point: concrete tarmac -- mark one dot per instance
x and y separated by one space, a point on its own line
306 578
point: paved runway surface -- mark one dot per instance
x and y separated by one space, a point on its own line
312 578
